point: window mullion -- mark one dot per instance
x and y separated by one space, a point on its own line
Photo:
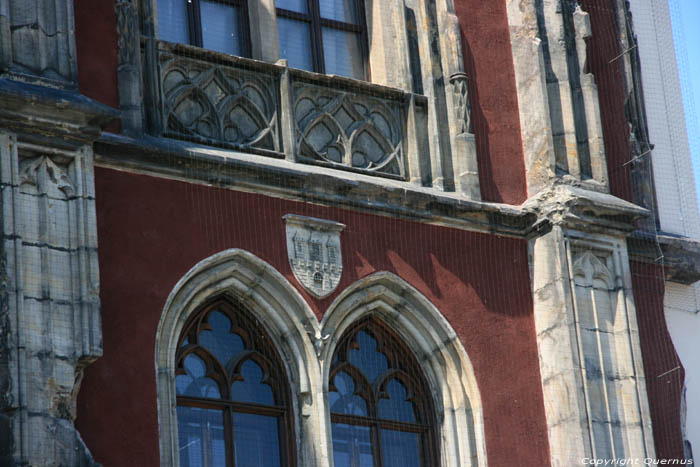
228 436
316 36
197 23
376 445
244 26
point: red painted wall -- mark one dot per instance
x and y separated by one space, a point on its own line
152 231
660 358
96 44
604 46
488 61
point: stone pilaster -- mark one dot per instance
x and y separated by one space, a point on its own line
558 98
49 293
50 316
590 358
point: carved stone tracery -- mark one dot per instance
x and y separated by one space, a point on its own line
463 109
218 104
32 171
348 129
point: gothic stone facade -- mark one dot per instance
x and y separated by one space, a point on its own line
476 194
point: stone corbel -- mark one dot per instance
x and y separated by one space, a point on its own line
575 207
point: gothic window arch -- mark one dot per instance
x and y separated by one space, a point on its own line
382 413
430 352
233 399
260 296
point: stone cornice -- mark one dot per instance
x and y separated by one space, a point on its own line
301 182
574 206
58 116
680 256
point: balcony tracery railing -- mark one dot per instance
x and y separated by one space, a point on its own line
269 109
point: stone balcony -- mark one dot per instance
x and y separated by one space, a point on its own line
275 111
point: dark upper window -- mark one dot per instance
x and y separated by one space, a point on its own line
381 409
232 393
326 36
220 25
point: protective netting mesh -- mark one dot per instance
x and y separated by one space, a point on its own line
340 110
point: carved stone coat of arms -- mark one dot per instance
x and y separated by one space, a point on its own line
313 247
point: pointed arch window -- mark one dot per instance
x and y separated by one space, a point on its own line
232 394
382 413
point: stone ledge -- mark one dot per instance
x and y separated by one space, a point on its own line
295 181
44 114
576 206
679 255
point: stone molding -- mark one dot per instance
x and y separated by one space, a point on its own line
306 345
284 179
52 117
286 317
680 255
441 354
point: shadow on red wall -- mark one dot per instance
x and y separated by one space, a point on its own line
152 231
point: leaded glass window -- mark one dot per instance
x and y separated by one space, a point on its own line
381 410
232 392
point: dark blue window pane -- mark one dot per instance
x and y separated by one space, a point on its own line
251 389
172 21
295 43
220 27
344 401
219 340
256 439
352 446
201 437
400 449
396 407
300 6
342 53
366 358
345 11
194 383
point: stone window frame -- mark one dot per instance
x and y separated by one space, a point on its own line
306 346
